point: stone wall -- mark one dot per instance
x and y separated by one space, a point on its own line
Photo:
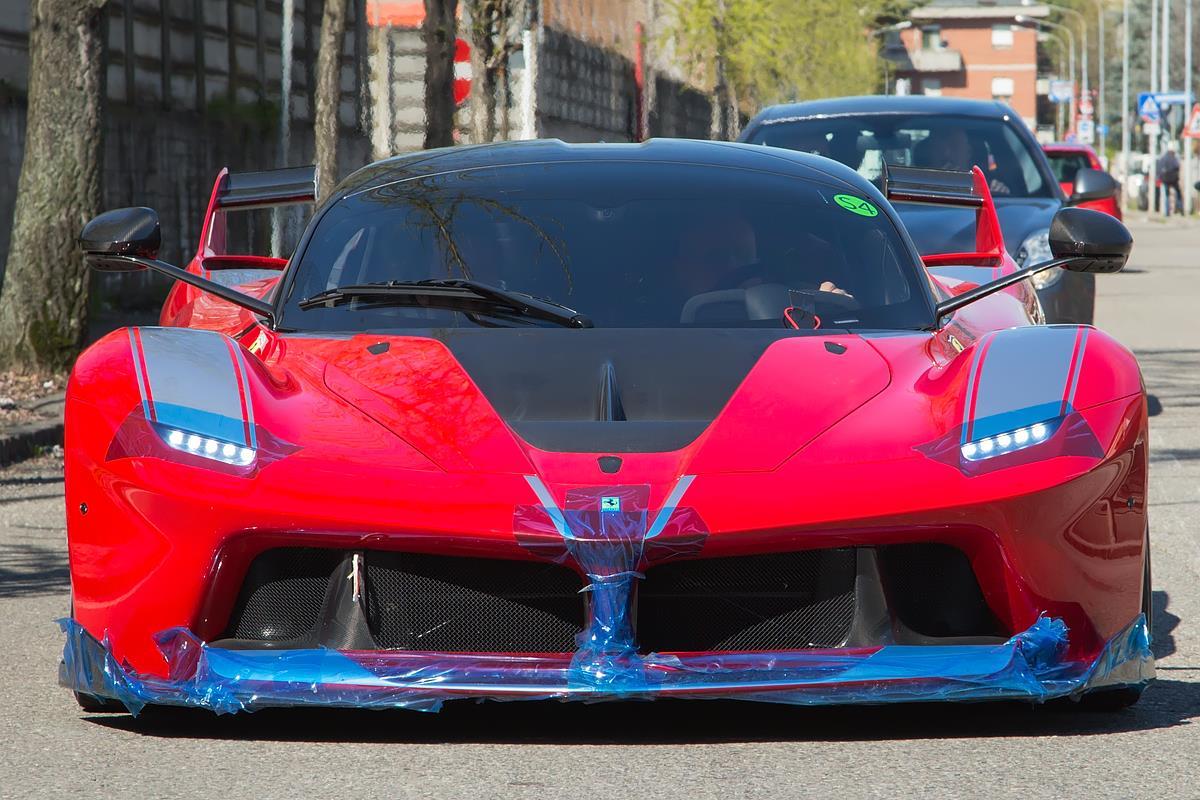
588 93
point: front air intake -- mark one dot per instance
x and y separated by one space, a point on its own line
784 601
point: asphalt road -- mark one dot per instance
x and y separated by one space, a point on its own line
711 749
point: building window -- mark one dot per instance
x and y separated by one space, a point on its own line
1002 89
1002 36
931 37
932 86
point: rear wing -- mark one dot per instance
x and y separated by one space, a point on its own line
245 191
951 188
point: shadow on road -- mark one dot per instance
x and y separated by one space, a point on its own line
28 569
1167 703
1163 625
1172 377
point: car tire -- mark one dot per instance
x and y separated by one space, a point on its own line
88 702
99 705
1125 696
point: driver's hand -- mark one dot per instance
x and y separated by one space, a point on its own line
829 286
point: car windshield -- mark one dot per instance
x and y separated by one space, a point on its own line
1065 165
865 142
628 244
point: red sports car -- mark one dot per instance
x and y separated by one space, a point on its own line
585 422
1066 159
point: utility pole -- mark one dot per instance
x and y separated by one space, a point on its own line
1102 55
1125 132
1164 84
1152 140
1187 90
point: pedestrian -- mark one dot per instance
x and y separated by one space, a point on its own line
1168 173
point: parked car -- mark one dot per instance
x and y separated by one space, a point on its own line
864 133
1066 159
586 422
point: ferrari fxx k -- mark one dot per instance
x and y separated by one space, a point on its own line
952 133
590 422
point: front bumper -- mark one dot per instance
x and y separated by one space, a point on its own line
1030 666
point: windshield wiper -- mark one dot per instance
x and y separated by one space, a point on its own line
452 293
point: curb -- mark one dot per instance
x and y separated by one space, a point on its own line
24 441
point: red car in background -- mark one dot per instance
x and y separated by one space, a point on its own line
1066 160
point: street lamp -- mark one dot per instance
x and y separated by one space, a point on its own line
1083 29
1021 19
1059 126
899 26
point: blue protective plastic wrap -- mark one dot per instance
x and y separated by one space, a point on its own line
1027 667
611 535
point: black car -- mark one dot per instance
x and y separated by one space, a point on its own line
949 133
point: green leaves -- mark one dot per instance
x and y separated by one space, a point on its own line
777 50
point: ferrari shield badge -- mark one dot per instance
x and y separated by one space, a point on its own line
610 504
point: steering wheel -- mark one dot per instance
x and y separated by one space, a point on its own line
763 301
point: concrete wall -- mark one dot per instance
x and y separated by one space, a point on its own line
192 86
588 93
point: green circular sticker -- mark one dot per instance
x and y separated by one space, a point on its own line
856 204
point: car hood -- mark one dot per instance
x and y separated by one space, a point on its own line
711 400
938 229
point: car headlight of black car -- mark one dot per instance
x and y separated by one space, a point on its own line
1035 249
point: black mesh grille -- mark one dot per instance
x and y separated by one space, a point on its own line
424 602
933 590
780 601
282 594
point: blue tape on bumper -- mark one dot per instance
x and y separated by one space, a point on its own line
1030 666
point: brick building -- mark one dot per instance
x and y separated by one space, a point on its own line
970 48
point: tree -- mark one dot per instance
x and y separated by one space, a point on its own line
43 306
329 95
441 33
754 52
493 31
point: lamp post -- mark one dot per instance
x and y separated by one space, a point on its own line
887 70
1083 31
1125 132
1187 90
1021 19
1059 121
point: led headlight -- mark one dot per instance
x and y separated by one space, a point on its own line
208 447
1009 441
1034 250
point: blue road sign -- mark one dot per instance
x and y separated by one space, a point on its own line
1102 130
1165 99
1148 108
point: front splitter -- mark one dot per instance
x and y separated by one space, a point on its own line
1030 666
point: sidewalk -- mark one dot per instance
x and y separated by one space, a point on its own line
31 427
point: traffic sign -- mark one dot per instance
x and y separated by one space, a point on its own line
1061 91
1102 130
1192 129
1085 106
1086 130
1165 99
1148 108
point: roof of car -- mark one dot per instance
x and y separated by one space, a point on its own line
882 104
1067 147
541 151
